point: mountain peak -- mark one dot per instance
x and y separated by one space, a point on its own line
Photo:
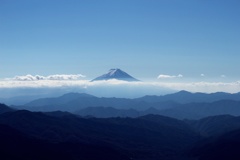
116 73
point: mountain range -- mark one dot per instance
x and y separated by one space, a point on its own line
181 105
140 138
62 135
80 126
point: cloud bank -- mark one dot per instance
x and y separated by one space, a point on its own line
60 84
164 76
116 88
50 77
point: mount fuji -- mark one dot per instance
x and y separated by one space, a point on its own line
116 74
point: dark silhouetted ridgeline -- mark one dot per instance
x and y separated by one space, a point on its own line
62 135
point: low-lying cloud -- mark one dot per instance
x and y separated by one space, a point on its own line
50 77
115 88
165 76
63 83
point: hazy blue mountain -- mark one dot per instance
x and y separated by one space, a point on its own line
73 102
108 112
188 97
116 74
66 98
201 110
162 105
68 102
19 100
184 111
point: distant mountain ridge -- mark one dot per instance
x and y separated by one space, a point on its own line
180 105
181 111
201 110
184 97
116 74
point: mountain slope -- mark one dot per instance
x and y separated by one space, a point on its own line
222 148
65 136
21 146
4 108
107 112
215 125
136 138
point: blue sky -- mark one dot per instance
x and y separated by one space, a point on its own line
145 38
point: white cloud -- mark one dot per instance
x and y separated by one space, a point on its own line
202 75
164 76
65 77
189 86
180 76
109 88
50 77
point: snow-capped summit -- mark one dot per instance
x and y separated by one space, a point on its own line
116 74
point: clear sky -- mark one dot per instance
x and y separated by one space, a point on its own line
145 38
